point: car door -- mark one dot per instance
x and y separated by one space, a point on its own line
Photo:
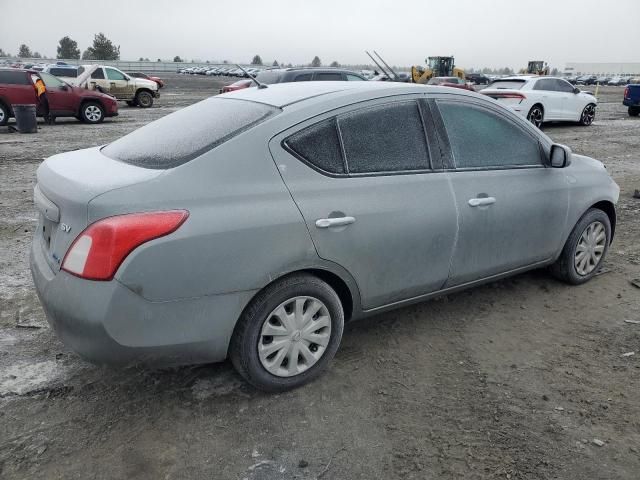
552 100
512 208
118 83
98 79
62 100
374 199
572 103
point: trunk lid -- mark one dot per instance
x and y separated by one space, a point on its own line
66 183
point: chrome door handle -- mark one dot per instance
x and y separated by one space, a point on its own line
479 202
334 222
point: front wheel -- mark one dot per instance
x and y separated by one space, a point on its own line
585 249
633 112
144 99
288 334
588 115
92 112
536 115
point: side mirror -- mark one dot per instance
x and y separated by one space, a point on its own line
576 90
560 156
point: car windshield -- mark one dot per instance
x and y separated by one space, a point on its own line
507 84
188 133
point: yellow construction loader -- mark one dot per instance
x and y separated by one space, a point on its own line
536 67
436 67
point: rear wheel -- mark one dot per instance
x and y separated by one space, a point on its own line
588 115
144 99
288 334
633 112
585 249
92 112
4 114
536 115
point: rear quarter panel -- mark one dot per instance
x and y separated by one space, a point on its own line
243 231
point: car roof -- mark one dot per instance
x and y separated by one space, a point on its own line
284 94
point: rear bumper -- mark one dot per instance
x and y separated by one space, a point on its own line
106 323
628 102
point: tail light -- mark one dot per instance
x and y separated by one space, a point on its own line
517 95
102 247
626 92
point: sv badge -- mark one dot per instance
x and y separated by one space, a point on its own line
65 228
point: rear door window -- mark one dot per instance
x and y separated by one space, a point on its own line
547 84
304 77
98 74
13 77
354 78
480 138
188 133
385 138
319 146
328 76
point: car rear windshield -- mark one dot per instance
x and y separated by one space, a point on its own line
507 84
188 133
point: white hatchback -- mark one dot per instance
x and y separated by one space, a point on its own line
544 99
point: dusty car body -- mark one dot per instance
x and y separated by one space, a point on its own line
254 224
135 91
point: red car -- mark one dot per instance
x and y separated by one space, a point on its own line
454 82
159 81
17 87
239 85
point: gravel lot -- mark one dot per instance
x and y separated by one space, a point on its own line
516 379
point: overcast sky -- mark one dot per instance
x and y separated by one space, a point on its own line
493 33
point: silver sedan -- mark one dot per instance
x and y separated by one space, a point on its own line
254 224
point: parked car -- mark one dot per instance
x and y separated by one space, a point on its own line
135 91
617 81
587 80
239 85
254 224
158 80
544 99
632 99
454 82
477 78
572 79
17 87
603 80
307 74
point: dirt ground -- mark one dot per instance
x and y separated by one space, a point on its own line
514 380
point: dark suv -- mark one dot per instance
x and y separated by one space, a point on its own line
308 74
477 78
17 87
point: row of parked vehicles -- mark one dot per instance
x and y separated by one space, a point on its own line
232 71
601 80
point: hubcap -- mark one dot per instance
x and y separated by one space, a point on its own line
294 336
588 114
93 113
535 117
144 100
1 115
590 248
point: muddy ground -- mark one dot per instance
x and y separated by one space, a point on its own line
512 380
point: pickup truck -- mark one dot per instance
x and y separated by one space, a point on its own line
632 99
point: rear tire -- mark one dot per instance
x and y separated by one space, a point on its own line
273 370
588 115
633 112
92 112
144 99
571 267
536 115
4 115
